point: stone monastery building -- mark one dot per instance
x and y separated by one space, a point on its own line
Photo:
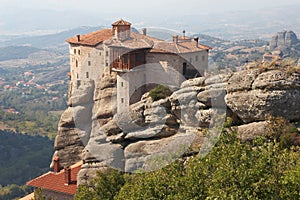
122 51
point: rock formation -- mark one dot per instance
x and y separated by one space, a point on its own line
285 44
153 133
284 39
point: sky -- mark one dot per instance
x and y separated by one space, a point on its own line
27 15
147 6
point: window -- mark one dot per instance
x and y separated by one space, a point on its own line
203 58
78 52
76 63
122 100
184 65
89 55
74 51
87 75
77 75
122 84
89 63
106 64
196 58
100 53
106 53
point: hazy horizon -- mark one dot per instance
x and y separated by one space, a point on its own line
35 16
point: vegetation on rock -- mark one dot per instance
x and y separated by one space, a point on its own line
232 170
160 92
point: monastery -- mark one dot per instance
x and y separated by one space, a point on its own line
135 57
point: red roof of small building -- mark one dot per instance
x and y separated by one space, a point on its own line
56 181
121 23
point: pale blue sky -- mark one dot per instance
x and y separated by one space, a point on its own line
146 6
32 15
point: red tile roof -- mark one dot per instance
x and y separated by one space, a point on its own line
92 39
138 41
56 181
180 47
121 23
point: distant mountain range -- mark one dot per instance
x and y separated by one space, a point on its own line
244 24
49 40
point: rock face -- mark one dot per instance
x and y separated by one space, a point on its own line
152 134
283 40
269 93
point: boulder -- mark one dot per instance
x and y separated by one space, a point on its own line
67 118
220 78
242 80
193 82
276 80
256 105
83 94
250 131
89 171
106 106
68 146
212 98
105 152
155 154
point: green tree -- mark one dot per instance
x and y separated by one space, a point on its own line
105 187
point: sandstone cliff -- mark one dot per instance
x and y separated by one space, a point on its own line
153 133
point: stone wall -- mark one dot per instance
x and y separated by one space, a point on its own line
51 195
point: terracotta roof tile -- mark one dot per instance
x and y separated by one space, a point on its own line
181 47
121 23
56 181
136 41
92 39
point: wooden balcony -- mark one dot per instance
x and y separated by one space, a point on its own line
128 61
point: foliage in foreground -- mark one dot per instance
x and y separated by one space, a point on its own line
160 92
232 170
105 186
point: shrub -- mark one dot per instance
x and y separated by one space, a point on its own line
160 92
106 186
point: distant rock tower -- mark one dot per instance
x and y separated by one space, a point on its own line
283 40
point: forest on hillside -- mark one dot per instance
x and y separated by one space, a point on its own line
22 158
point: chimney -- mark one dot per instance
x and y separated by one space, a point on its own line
196 39
78 38
144 31
67 175
175 39
56 164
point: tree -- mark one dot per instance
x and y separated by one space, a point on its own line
105 186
